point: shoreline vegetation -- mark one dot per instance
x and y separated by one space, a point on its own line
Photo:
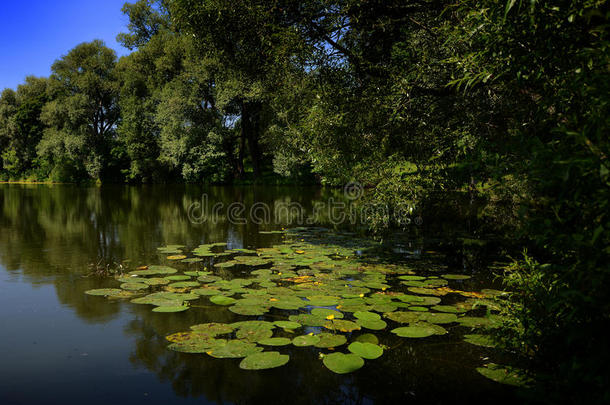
509 101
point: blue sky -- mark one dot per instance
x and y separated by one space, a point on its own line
34 33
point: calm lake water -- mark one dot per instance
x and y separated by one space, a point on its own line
59 345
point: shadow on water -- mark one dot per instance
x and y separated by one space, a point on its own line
54 236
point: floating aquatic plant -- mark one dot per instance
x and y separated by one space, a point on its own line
263 361
313 279
341 363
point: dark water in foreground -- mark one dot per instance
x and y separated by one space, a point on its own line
58 345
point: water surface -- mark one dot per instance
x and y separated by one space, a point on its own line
59 345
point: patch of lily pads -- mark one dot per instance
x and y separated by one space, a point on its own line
313 280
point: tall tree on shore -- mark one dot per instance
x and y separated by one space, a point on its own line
83 113
172 125
20 126
252 44
8 106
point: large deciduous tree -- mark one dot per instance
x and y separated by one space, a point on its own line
20 126
252 43
84 111
172 125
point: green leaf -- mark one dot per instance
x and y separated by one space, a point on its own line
179 308
234 349
504 374
365 350
104 291
509 5
264 360
330 340
414 331
341 363
367 316
305 340
275 341
222 300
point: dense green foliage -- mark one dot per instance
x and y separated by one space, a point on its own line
507 100
548 64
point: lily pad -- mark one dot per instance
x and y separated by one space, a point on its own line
287 324
307 320
213 328
178 277
341 363
234 349
427 291
402 316
184 284
176 257
390 307
505 375
372 324
154 270
367 316
159 302
480 340
365 350
286 302
226 264
305 340
264 360
105 292
274 341
208 291
438 317
455 276
452 309
326 313
412 278
174 295
368 338
222 300
170 247
341 325
253 325
254 332
123 295
134 286
196 344
131 279
179 308
414 331
208 278
438 330
429 301
249 310
155 281
330 340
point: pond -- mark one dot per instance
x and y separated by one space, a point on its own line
229 254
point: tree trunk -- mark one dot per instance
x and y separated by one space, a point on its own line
250 127
240 157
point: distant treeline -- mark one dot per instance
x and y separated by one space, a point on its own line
506 99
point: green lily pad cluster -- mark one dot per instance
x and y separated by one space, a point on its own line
332 289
